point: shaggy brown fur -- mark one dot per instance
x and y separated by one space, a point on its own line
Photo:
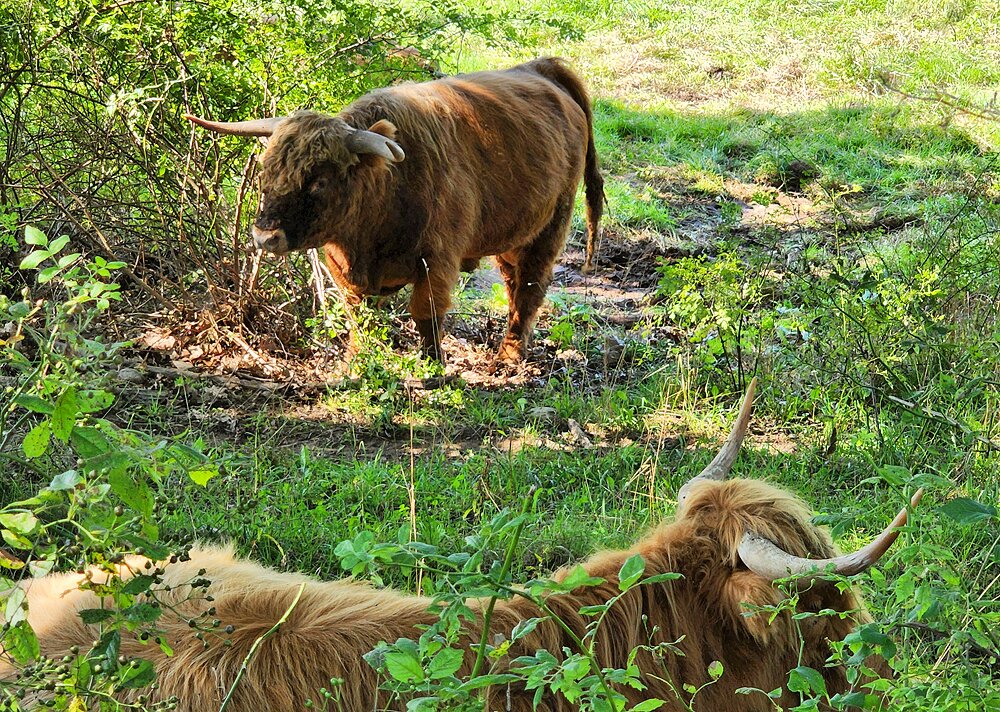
335 623
493 162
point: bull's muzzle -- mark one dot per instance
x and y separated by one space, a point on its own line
273 240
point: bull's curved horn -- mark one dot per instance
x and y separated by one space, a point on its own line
767 559
257 127
720 466
362 141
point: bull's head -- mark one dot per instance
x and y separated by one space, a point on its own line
755 543
307 174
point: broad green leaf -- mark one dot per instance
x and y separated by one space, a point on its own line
648 705
89 442
576 578
477 683
21 643
16 540
873 636
11 563
968 511
138 673
894 474
203 474
90 616
94 401
34 404
523 628
715 669
445 664
58 244
106 649
137 585
135 495
64 415
659 578
14 610
23 523
806 680
84 672
47 274
34 259
142 613
851 699
66 260
36 442
41 567
630 572
34 236
404 666
66 481
154 551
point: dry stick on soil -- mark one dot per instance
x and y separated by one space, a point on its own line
937 417
951 101
162 299
317 278
200 188
970 645
245 184
257 644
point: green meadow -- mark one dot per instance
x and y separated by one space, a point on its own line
805 192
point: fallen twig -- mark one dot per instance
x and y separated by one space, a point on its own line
929 414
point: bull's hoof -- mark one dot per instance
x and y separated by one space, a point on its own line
511 352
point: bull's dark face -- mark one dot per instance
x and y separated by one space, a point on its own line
312 185
293 220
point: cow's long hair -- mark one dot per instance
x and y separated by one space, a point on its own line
721 609
710 611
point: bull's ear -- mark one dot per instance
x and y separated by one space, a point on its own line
386 128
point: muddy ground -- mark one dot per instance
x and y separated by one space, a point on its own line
180 374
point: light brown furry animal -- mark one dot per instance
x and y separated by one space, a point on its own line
336 623
412 184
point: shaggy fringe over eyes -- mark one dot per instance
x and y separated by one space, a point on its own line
298 146
729 509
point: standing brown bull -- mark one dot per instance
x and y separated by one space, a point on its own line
412 184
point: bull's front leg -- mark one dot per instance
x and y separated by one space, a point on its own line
527 272
430 303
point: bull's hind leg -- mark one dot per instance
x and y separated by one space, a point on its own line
527 273
430 303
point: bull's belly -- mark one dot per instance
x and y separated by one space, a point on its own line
520 231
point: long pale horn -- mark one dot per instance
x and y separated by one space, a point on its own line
362 141
719 467
257 127
767 559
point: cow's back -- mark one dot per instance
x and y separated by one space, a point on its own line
489 154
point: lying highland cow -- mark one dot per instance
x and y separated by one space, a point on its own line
730 539
412 184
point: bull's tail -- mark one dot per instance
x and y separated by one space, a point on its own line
556 71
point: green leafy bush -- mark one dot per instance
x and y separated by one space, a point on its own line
102 482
